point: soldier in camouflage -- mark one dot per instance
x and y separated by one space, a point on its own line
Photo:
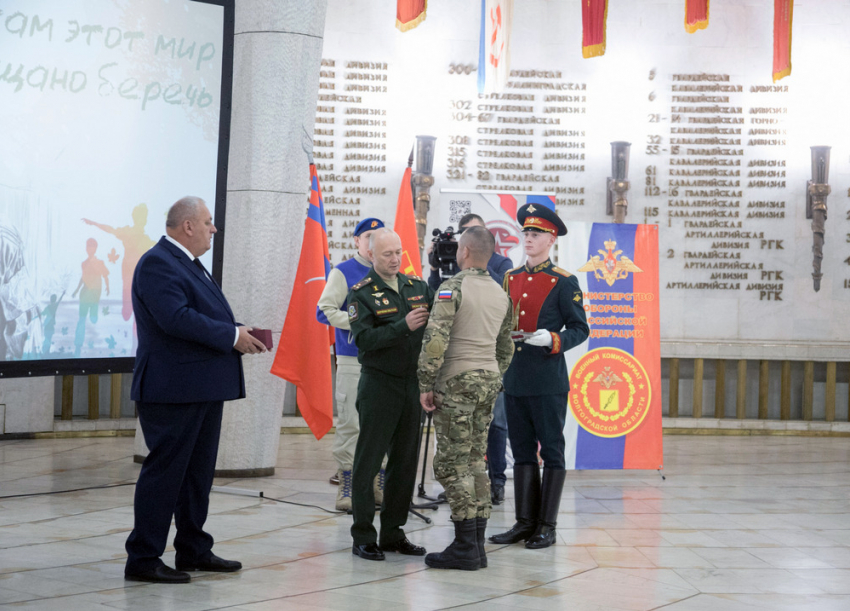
466 349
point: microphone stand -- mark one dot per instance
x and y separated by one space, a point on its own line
433 502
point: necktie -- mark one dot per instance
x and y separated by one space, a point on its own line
202 268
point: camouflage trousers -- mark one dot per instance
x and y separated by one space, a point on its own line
461 423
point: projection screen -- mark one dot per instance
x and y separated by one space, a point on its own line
110 111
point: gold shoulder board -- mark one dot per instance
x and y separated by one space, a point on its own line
362 283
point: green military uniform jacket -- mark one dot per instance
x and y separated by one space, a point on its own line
376 313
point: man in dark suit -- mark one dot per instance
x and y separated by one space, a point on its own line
187 364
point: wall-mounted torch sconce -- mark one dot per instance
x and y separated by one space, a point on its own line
816 193
619 184
422 181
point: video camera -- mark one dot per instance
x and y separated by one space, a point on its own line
444 252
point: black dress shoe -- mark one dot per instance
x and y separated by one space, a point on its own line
213 564
369 551
161 574
403 546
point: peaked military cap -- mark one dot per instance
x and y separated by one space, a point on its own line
536 217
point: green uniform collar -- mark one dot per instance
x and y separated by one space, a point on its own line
377 282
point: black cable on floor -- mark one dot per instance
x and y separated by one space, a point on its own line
17 496
336 513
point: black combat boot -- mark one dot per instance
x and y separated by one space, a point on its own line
497 493
527 502
462 553
553 485
481 527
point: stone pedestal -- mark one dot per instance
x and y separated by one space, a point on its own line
26 405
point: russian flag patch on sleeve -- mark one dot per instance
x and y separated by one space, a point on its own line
444 295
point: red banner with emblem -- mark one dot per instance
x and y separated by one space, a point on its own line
783 11
594 14
696 15
410 13
303 355
405 227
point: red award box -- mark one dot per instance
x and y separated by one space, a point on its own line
264 335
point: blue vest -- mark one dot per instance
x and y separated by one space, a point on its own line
354 272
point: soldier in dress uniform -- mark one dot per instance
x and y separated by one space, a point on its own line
332 310
387 312
547 303
467 348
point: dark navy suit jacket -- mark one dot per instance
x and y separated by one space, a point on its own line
186 332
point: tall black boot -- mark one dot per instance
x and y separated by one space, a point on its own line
480 528
553 485
527 501
462 553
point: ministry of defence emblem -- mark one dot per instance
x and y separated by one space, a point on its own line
610 392
608 267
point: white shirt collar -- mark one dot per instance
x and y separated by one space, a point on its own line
181 247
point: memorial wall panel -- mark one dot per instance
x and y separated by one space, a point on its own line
719 159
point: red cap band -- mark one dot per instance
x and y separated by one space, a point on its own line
535 222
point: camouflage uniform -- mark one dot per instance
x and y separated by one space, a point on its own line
465 400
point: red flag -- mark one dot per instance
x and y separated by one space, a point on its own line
594 14
303 356
410 13
696 15
405 227
783 11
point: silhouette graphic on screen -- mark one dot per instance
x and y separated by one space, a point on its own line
48 322
94 270
136 243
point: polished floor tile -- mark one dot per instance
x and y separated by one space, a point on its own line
739 523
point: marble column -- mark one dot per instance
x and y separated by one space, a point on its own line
277 59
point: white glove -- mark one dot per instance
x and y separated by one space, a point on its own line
541 337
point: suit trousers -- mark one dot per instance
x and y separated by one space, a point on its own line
175 480
390 417
536 419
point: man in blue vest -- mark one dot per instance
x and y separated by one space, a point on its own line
332 310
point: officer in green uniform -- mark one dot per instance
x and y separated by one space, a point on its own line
388 312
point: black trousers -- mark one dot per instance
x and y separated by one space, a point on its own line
175 480
390 414
537 419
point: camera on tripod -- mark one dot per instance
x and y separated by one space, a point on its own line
444 252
